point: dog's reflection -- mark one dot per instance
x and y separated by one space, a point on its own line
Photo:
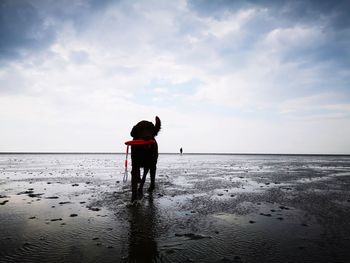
142 235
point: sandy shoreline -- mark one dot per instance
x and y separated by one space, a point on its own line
206 209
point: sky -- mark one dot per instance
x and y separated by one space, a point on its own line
223 76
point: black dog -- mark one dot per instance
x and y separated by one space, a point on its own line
145 156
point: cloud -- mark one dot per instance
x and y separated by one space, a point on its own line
229 24
94 68
23 29
299 11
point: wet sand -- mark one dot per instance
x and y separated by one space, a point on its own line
206 208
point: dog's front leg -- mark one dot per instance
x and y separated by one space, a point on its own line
153 178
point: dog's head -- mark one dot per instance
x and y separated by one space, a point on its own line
146 130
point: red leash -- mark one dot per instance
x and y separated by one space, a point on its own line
125 178
133 143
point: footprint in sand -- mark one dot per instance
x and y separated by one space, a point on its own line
4 202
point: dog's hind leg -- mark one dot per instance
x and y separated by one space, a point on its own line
140 190
135 178
153 178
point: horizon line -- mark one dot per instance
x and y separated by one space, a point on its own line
190 153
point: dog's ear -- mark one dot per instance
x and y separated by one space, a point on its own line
133 132
157 126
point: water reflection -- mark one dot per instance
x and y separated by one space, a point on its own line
142 236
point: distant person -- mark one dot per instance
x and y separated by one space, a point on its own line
181 150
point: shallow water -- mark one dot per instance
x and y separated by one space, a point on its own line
206 208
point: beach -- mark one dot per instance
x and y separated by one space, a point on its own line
206 208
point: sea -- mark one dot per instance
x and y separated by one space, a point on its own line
76 207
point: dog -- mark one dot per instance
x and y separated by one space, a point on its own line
145 156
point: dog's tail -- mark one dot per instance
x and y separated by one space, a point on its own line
157 126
